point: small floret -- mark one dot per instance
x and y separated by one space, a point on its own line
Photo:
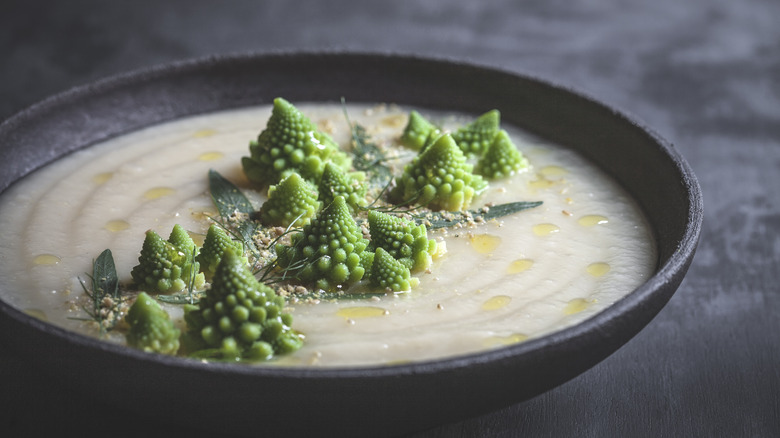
291 202
501 159
168 266
402 239
239 318
418 131
387 272
327 253
366 260
290 142
151 328
475 137
336 182
439 178
216 242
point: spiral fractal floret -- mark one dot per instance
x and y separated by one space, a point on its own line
327 253
439 178
389 273
474 138
238 318
501 159
291 202
151 328
216 242
404 240
336 182
290 142
418 131
167 266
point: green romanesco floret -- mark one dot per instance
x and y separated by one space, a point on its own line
151 328
387 272
501 159
404 240
336 182
290 142
439 178
291 202
474 138
238 318
168 266
327 252
216 242
418 131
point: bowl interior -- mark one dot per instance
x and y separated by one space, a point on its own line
422 394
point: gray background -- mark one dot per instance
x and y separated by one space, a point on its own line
704 74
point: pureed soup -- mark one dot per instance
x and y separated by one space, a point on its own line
501 281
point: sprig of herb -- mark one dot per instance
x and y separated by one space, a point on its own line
227 197
104 292
367 156
445 219
229 200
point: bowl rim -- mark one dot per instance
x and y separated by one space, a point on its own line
677 263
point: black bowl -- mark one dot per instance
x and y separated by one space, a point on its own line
384 400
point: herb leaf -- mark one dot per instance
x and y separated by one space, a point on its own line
104 278
105 283
444 219
367 156
226 196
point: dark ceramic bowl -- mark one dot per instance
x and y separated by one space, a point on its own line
352 401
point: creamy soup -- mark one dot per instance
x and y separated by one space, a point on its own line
502 282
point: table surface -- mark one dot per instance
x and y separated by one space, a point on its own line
704 74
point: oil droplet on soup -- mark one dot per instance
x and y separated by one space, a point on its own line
576 305
541 183
592 220
117 225
37 313
46 259
496 302
597 269
158 192
211 156
396 121
500 341
521 265
362 312
553 171
204 214
545 229
204 133
102 178
485 243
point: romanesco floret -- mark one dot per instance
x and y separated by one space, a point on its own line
289 142
239 317
151 328
418 131
475 137
402 239
168 266
336 182
217 240
501 159
327 252
439 178
387 272
291 202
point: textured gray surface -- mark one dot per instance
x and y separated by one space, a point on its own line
705 74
